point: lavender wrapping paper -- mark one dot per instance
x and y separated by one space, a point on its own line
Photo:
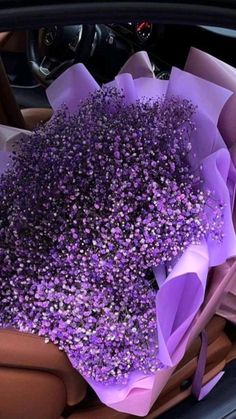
8 138
182 293
183 307
214 70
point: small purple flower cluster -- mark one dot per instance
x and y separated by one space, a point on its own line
93 201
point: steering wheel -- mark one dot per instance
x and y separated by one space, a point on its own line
52 50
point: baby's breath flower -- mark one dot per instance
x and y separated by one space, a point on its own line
92 202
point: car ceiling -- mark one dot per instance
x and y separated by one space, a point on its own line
28 14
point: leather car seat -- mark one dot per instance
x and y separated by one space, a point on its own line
38 381
13 41
4 38
34 116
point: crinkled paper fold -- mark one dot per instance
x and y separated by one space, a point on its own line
179 302
214 70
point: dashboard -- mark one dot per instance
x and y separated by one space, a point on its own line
105 48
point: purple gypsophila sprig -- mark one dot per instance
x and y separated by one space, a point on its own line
91 203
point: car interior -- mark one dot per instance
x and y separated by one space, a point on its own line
37 380
33 59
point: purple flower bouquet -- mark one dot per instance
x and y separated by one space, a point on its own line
111 216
